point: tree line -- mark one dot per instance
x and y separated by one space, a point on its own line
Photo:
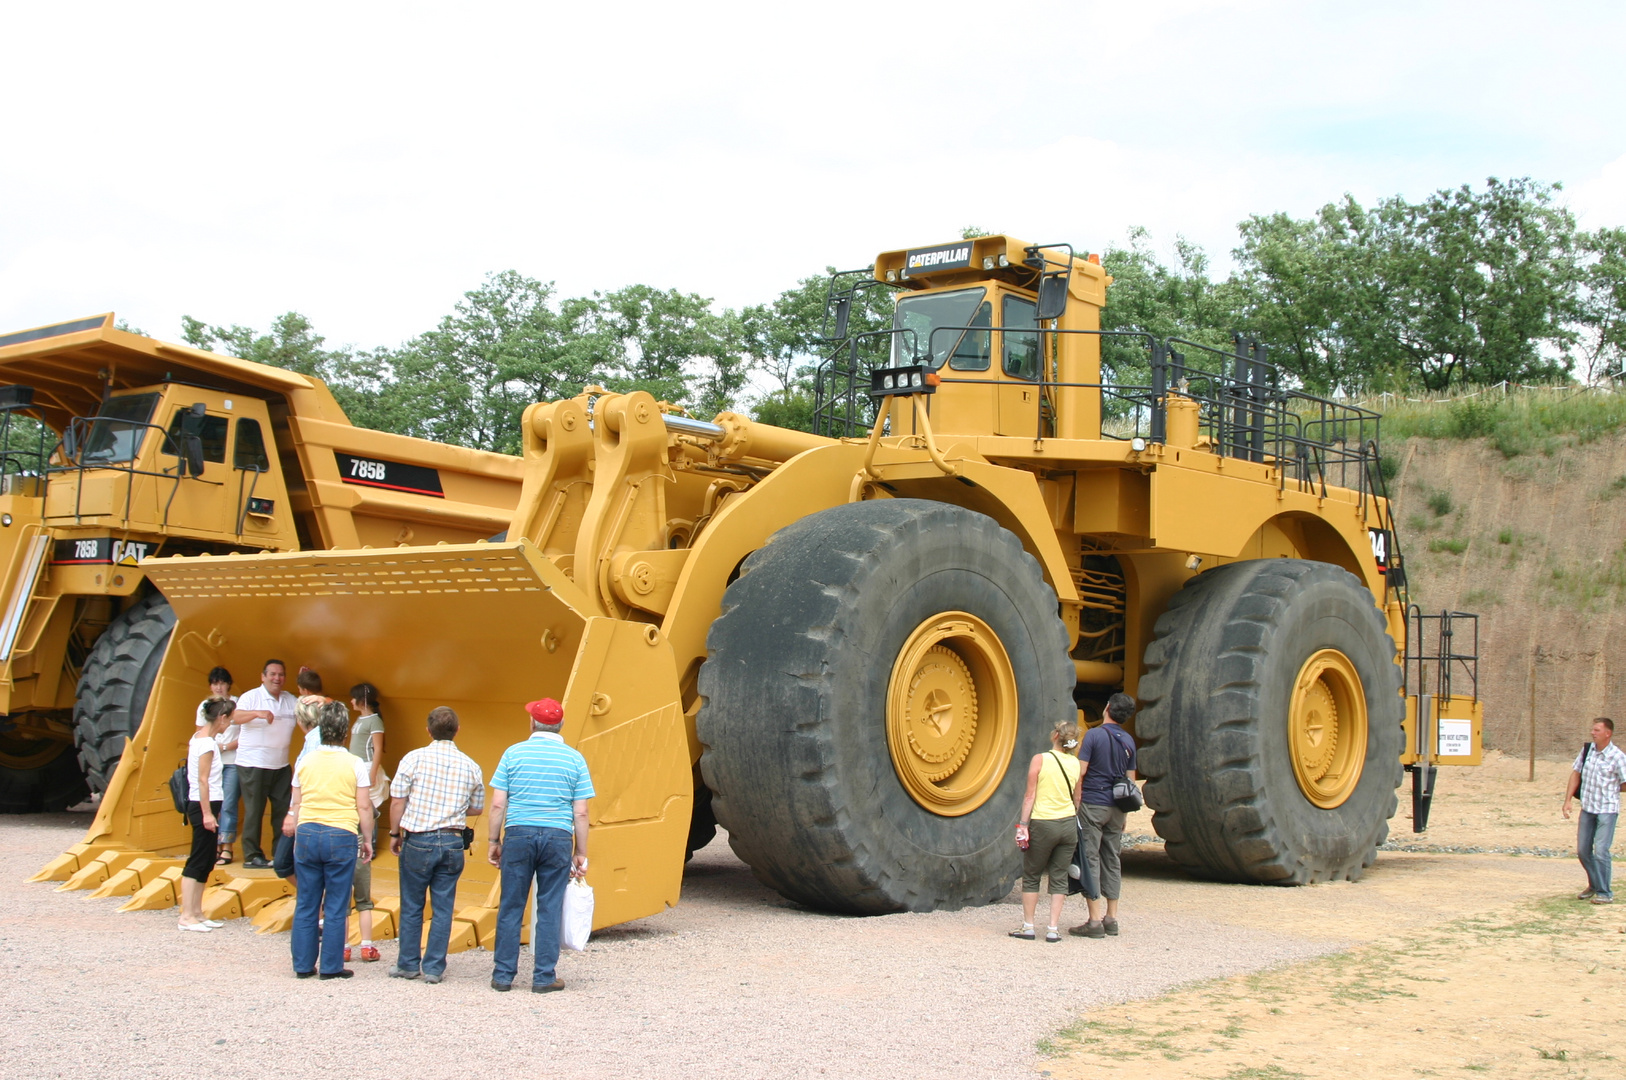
1468 286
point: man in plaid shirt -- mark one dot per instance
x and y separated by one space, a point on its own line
1599 776
436 789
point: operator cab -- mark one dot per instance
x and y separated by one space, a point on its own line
980 313
187 462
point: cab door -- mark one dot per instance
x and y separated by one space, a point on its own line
261 516
1019 368
199 505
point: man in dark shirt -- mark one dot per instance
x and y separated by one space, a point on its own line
1108 753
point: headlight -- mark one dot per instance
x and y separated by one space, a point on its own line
5 519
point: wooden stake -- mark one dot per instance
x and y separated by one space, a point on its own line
1532 776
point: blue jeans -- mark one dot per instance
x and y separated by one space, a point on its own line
230 791
532 851
432 862
1592 843
325 865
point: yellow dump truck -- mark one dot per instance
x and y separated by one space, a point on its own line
844 646
158 449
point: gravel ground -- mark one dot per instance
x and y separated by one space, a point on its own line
733 982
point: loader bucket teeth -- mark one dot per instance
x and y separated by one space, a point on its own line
482 628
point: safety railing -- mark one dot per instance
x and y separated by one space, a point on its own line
76 457
1246 407
1450 642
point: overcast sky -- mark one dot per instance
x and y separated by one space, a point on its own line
367 164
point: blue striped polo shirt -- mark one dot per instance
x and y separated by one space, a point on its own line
543 777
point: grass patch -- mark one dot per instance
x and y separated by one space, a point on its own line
1440 503
1452 544
1613 488
1590 585
1504 537
1262 1072
1518 422
1478 598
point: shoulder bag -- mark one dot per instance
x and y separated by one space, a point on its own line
179 789
1125 792
1081 880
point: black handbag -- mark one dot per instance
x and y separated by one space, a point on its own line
1125 792
179 789
1079 877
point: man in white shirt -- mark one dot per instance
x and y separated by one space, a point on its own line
1598 777
262 758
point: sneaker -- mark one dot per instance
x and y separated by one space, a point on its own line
1588 894
304 974
345 974
1604 898
1110 926
195 927
399 972
547 988
256 862
367 953
501 987
1088 929
347 954
433 979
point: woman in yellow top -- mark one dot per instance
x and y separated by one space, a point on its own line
331 807
1048 830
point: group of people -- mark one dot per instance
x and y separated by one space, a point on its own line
326 805
1069 813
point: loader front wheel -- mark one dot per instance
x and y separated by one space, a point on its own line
879 678
114 686
1271 724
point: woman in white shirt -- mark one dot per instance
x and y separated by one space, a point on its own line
204 780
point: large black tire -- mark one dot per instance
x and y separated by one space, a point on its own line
702 822
794 714
48 788
1214 723
115 684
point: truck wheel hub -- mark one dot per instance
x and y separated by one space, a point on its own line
1326 728
951 713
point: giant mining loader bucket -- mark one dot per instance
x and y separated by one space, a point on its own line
482 628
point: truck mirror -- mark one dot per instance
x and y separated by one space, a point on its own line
843 313
1052 297
193 445
70 440
199 408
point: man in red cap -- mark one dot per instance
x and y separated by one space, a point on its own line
539 792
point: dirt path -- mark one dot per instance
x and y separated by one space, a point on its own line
1470 963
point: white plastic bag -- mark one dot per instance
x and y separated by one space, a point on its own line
576 920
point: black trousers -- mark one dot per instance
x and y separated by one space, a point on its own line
258 786
201 859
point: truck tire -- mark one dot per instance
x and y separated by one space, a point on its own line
115 684
49 786
1270 724
878 680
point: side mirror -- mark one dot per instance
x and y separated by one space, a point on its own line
70 441
193 446
1052 297
843 312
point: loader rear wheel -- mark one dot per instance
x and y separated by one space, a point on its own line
38 775
115 684
1271 724
880 675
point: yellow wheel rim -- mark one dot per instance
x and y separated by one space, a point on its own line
20 752
1326 728
951 713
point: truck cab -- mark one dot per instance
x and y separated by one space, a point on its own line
184 467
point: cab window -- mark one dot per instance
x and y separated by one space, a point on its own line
213 432
974 350
250 450
934 325
119 427
1021 349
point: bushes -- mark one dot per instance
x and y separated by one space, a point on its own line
1516 422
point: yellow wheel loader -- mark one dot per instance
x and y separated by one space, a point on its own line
156 449
843 647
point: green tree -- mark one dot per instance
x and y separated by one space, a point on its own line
1466 286
1601 311
1179 301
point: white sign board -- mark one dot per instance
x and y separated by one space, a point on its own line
1456 738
